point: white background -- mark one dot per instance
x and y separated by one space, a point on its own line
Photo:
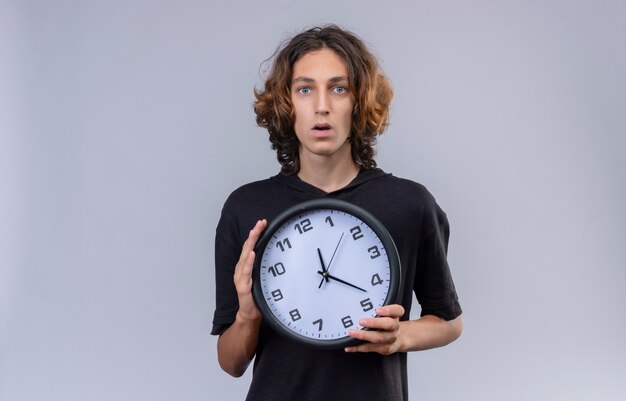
125 124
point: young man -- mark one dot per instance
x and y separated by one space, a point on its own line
324 103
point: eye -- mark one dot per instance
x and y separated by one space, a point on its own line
305 90
340 90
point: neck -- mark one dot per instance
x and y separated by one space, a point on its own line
328 174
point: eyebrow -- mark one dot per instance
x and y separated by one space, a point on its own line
308 80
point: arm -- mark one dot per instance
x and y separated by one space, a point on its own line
391 335
237 345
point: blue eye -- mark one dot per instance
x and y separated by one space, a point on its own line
340 89
305 90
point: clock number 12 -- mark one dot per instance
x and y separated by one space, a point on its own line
303 226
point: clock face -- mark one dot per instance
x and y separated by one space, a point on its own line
320 267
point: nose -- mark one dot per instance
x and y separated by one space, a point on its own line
322 106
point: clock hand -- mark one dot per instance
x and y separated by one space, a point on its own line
327 275
325 272
333 257
331 260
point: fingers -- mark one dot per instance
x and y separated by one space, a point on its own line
379 323
253 237
387 320
381 341
246 259
381 329
394 310
383 336
243 273
245 270
367 347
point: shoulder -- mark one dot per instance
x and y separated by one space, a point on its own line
402 203
251 202
410 188
404 193
418 195
252 188
241 202
433 218
247 195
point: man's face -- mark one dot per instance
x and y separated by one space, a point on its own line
323 105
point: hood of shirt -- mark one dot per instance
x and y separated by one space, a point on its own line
307 191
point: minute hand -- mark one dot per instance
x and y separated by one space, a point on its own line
330 276
329 263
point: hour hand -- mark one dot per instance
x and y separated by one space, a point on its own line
329 263
328 275
324 270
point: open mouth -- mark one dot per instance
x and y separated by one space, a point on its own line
321 127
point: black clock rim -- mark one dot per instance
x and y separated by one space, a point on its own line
316 204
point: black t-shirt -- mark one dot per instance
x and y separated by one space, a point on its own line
287 370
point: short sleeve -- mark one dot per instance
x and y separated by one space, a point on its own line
226 257
434 287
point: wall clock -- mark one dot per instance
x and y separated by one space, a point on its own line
321 266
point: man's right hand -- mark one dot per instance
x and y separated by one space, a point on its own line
237 345
243 275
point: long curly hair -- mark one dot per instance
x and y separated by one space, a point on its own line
373 93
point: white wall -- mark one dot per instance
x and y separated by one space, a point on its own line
125 124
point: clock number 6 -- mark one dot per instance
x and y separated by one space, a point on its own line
347 322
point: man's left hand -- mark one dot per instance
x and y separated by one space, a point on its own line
384 331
